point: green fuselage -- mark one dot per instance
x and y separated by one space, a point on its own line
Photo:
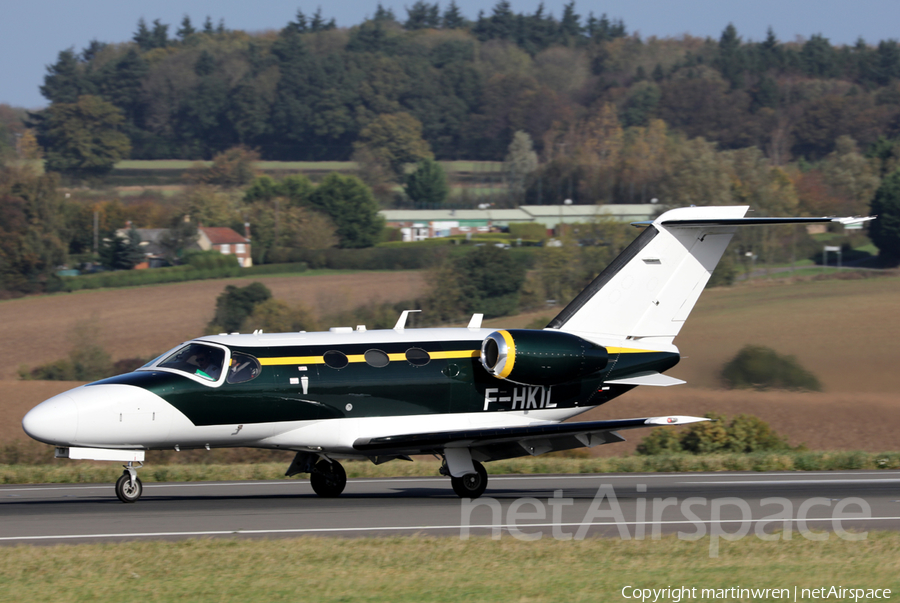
453 381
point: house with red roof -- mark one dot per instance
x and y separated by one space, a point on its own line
225 241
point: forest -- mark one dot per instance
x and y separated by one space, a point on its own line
310 90
574 105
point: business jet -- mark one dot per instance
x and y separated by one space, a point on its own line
467 395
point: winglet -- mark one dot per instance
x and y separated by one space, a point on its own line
674 420
854 220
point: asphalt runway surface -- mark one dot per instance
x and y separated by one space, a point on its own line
818 504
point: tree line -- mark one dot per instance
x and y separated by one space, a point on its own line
310 90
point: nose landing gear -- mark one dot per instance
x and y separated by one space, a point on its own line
129 487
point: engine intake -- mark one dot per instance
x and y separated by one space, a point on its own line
540 357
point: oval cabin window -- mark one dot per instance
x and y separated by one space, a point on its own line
417 357
243 368
377 358
335 359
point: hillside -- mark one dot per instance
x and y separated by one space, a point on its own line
843 331
147 321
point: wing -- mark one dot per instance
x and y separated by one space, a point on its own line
494 443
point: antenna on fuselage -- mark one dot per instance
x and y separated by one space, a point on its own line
475 323
401 322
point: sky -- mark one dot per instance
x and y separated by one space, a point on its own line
33 32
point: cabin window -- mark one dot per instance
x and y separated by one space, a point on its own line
417 356
197 359
243 368
377 358
335 359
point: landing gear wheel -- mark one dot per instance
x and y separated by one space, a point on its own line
328 479
127 492
471 485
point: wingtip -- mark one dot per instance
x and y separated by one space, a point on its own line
674 420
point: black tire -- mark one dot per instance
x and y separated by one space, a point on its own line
125 491
328 479
471 485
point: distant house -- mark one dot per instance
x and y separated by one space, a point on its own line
225 241
154 254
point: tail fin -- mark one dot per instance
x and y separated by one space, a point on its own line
649 290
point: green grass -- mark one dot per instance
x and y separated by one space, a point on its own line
64 472
419 568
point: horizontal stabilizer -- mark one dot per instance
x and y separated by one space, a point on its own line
654 379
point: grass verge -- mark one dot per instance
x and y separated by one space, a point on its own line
64 472
439 569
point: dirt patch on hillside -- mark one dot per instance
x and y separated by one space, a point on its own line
146 321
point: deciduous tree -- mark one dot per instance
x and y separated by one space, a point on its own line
83 139
521 160
352 207
428 184
396 140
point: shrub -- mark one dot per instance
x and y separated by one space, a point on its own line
662 440
528 230
759 367
744 434
235 304
276 316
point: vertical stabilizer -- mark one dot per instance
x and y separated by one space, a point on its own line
648 291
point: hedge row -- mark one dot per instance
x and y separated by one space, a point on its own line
370 258
173 274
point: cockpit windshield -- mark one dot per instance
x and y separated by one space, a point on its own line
197 359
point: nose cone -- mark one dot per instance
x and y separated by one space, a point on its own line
53 421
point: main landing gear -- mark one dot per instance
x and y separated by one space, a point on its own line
326 476
129 487
470 485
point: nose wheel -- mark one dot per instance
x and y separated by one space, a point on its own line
129 487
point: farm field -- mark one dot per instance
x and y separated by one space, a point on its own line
146 321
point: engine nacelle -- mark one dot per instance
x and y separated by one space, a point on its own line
540 357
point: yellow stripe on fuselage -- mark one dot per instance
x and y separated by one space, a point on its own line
291 360
300 360
451 355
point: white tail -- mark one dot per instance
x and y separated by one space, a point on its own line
649 290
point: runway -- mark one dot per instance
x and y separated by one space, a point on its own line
819 504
